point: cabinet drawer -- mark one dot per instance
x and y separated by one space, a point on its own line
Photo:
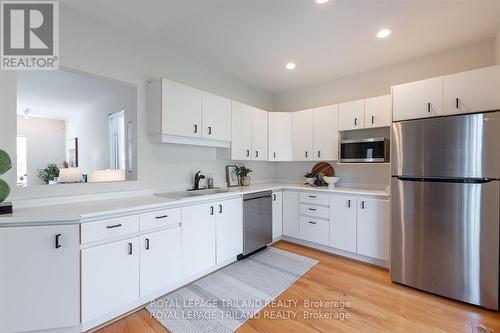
314 230
104 229
160 218
314 198
316 211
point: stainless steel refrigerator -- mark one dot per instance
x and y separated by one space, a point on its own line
445 213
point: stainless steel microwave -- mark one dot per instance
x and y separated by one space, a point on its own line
371 150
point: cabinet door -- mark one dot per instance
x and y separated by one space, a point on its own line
277 214
472 91
378 111
181 109
373 228
216 117
343 223
352 115
420 99
160 260
110 277
326 133
198 239
280 136
303 135
241 128
259 135
291 214
229 227
39 281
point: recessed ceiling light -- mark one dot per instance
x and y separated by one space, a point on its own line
290 66
383 33
321 1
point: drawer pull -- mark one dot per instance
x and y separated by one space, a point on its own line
114 226
147 243
362 205
312 209
130 249
58 241
312 222
349 203
312 196
161 217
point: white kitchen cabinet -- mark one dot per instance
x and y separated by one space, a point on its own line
314 230
181 111
280 136
110 277
160 260
241 125
352 115
343 222
277 214
303 135
216 117
378 111
229 226
326 127
39 278
259 135
198 239
472 91
420 99
373 228
291 214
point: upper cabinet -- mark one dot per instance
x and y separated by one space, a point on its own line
472 91
303 135
352 115
378 111
420 99
249 133
181 114
326 137
280 136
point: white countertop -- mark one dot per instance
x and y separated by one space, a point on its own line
85 211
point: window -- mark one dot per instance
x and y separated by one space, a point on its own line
22 169
117 140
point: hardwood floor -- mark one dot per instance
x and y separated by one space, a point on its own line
377 304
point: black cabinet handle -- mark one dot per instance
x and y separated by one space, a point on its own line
248 153
220 209
130 249
319 153
312 222
161 217
429 107
196 128
457 103
312 209
373 119
209 130
274 154
306 154
355 121
349 203
147 243
58 241
274 197
114 226
362 205
256 153
211 210
312 196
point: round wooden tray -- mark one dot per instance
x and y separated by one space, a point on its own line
323 167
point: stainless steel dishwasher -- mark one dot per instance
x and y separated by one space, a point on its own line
257 222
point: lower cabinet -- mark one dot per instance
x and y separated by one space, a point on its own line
110 277
291 214
373 235
229 226
160 260
277 214
343 217
198 239
315 230
39 278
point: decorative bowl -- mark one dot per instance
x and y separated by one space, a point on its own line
331 181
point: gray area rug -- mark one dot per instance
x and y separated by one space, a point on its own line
224 300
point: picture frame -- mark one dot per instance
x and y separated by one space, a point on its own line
232 177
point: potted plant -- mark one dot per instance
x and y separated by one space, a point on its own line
243 172
49 173
309 178
5 165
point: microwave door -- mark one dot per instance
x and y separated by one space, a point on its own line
367 150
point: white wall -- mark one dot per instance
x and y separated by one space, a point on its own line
497 46
45 143
91 46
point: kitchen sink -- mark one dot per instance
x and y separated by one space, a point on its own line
191 193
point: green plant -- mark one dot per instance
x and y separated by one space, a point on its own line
309 175
5 165
243 171
49 173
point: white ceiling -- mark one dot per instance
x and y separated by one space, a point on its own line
254 39
59 94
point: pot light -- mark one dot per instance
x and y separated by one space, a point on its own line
290 66
321 1
383 33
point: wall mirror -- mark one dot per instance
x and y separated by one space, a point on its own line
74 127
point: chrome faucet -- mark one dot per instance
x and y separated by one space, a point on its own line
197 178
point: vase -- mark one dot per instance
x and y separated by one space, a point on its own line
245 181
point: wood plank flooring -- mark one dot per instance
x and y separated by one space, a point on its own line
377 304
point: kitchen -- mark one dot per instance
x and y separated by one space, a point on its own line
184 117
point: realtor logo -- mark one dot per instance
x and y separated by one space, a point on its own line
30 35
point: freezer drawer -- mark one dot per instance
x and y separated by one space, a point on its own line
462 146
445 239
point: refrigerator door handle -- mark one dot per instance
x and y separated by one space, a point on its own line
447 180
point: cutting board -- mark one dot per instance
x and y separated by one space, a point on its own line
325 168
